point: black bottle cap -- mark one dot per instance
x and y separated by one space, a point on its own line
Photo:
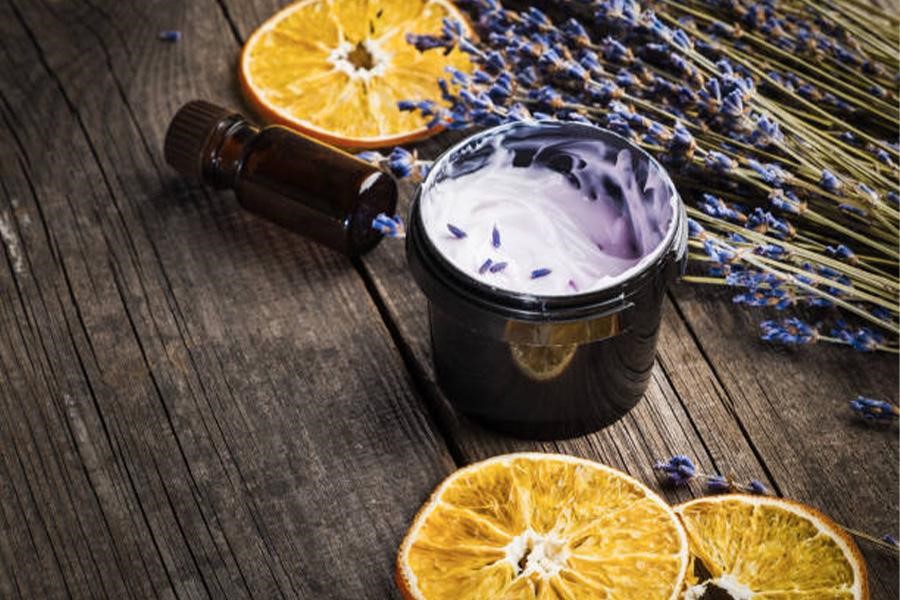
189 133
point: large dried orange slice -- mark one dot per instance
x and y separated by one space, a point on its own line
542 526
336 69
765 547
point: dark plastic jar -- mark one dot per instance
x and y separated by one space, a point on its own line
544 367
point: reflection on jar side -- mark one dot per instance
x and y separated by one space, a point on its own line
556 334
543 363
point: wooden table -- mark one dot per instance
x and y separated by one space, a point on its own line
196 403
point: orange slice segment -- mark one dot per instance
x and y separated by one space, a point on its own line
765 547
542 526
335 69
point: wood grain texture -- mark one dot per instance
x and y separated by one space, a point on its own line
193 403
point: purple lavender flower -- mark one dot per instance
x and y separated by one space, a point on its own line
787 201
862 339
889 539
776 298
829 182
678 470
682 40
763 221
790 332
756 487
497 267
719 251
576 33
392 227
615 51
485 266
401 162
542 272
733 104
770 173
456 231
874 410
879 312
715 207
429 42
766 132
771 251
495 237
842 252
718 483
695 230
682 147
718 161
854 210
169 36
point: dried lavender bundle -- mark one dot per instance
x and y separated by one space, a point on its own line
778 120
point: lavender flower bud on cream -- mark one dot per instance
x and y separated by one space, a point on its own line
582 212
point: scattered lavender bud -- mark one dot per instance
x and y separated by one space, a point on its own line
456 231
538 273
756 487
485 266
497 267
889 539
874 410
678 470
495 237
392 227
401 162
718 483
169 36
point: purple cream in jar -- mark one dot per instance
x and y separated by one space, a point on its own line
545 249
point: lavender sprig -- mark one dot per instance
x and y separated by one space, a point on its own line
870 409
679 470
400 163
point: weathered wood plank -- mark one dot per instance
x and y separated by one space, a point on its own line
192 402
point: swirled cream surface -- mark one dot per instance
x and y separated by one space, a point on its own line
535 209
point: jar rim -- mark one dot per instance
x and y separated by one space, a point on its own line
612 293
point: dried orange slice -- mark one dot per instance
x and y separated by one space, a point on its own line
765 547
336 69
528 526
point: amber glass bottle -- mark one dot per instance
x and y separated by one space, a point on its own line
323 193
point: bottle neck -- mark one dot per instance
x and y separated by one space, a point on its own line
225 151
